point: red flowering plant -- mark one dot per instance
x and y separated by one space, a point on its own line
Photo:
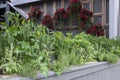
85 18
34 13
47 21
95 30
86 12
74 7
60 16
73 11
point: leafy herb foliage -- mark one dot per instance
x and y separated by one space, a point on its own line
26 49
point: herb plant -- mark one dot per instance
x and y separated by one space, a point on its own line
24 44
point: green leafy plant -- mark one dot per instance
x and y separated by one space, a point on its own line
105 48
24 44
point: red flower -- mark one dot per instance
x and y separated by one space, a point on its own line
60 14
82 25
65 16
34 12
74 1
74 6
96 30
86 12
82 16
47 21
68 11
98 33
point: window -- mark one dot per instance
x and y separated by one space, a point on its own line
100 10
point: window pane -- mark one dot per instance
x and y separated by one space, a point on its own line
87 6
97 6
97 19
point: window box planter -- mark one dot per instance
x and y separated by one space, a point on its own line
91 71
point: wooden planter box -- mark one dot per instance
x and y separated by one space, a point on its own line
92 71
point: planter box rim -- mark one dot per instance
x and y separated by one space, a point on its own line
78 68
97 65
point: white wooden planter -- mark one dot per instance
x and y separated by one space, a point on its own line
92 71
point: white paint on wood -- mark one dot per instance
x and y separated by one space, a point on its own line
113 17
45 8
